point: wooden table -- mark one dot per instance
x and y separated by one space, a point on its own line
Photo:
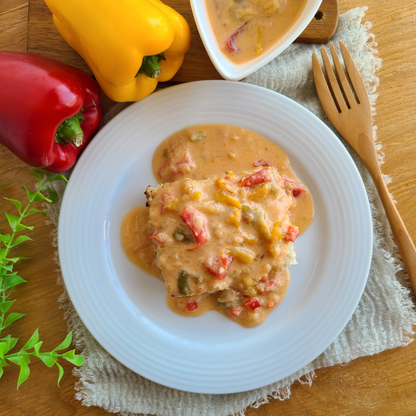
384 384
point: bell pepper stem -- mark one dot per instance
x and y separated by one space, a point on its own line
150 65
70 131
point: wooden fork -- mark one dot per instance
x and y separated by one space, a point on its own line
349 111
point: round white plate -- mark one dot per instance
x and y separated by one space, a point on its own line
125 309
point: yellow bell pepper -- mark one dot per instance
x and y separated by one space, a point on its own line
122 41
235 218
226 199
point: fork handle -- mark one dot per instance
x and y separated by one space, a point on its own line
403 240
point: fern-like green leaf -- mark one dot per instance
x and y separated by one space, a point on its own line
65 343
37 348
16 203
59 177
53 196
14 316
6 305
13 281
47 359
24 374
33 340
35 211
13 220
21 239
77 360
61 372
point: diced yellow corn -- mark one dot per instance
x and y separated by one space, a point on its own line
220 183
262 224
191 188
235 218
251 239
252 291
173 205
248 281
260 193
275 249
196 196
267 268
276 235
244 255
226 199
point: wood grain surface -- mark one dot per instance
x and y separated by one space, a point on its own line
384 384
323 25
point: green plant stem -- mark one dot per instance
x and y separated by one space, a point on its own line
9 280
9 245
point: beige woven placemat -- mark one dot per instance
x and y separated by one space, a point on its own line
384 316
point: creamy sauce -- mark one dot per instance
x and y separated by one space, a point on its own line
246 318
227 148
245 29
200 152
137 245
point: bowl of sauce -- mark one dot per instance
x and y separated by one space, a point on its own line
241 36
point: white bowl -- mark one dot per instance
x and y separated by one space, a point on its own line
234 72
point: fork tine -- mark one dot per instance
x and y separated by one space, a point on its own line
333 82
342 77
324 94
355 77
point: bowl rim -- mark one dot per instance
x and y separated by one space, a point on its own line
236 72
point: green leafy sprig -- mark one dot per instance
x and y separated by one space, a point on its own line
9 279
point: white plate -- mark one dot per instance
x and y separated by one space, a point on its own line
125 309
235 72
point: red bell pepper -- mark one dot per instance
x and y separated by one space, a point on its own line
220 266
252 304
235 312
191 306
197 223
48 110
292 233
159 238
259 177
293 186
229 45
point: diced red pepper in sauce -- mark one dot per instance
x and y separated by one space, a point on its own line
166 198
186 160
261 162
229 45
266 286
252 304
191 306
291 233
159 238
197 223
259 177
182 166
235 311
293 186
296 192
220 266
